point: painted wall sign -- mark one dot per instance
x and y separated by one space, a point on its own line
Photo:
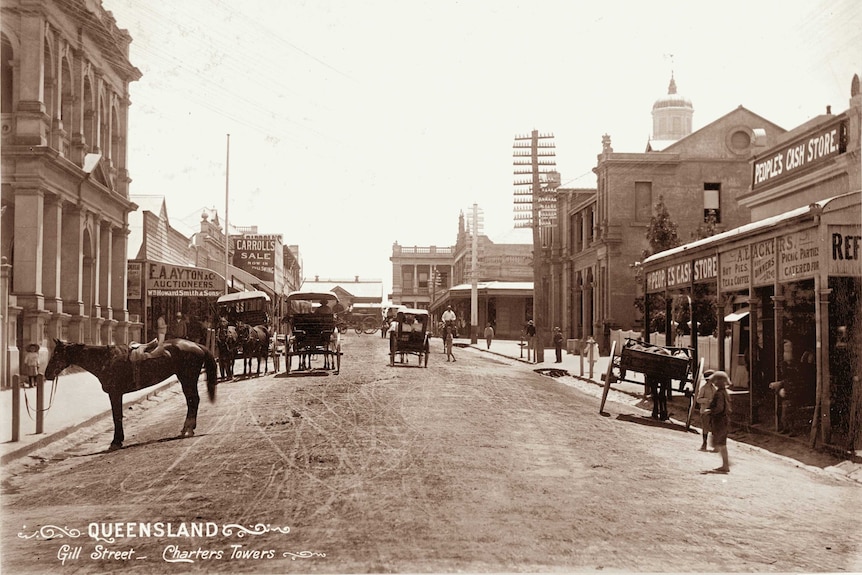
679 274
656 281
735 269
169 280
763 262
259 255
784 162
134 275
705 268
798 255
845 250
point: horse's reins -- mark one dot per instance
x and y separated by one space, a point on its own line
50 402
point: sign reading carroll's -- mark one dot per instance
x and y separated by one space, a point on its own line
258 254
785 161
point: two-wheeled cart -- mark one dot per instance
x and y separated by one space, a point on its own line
653 360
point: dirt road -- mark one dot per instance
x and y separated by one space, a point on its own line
478 466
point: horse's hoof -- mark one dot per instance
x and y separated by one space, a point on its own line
115 447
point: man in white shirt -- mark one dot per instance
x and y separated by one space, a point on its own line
448 315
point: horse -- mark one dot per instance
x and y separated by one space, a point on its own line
227 341
658 387
115 369
255 344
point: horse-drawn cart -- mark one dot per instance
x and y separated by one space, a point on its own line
656 363
408 335
312 331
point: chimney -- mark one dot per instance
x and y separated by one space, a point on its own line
356 279
317 278
829 110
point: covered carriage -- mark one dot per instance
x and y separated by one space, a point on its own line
312 331
408 335
243 326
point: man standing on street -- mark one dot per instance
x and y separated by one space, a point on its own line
531 340
558 345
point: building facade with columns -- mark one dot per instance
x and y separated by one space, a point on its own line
65 185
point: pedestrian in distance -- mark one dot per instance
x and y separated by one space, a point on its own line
31 365
530 332
558 345
449 338
489 335
719 411
704 397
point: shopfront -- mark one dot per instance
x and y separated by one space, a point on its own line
786 291
181 298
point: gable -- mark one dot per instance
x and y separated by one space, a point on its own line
730 137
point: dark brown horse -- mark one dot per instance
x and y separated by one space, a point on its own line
113 367
227 341
254 342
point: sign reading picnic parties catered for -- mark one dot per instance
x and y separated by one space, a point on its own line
170 280
799 155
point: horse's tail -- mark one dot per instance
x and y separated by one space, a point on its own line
212 372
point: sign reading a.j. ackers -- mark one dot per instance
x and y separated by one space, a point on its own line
783 162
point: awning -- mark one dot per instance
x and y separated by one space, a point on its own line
735 316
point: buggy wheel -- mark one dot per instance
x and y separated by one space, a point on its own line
369 325
287 361
358 329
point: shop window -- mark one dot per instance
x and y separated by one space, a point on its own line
712 202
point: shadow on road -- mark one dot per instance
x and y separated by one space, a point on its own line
647 420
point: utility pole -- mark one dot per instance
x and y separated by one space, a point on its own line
534 156
474 274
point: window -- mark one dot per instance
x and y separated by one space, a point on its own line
643 201
712 202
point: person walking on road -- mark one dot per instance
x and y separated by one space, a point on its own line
704 397
489 335
558 345
530 332
448 337
719 410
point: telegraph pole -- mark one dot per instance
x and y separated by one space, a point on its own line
474 273
534 156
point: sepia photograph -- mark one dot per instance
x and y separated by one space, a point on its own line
462 286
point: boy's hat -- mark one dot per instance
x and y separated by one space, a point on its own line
708 373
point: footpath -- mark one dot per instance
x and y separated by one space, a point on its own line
76 400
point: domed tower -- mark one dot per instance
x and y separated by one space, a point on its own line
671 115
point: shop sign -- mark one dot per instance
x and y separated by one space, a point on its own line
827 142
170 280
798 255
763 263
705 268
734 265
656 281
133 280
258 254
679 274
844 248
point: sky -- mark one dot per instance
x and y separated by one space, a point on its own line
355 124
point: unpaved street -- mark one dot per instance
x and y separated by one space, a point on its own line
478 465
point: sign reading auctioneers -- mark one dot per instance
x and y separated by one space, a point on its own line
170 280
791 158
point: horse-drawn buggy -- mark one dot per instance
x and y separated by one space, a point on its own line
358 321
312 330
659 365
408 335
243 329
